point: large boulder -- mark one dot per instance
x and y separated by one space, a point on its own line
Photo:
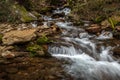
17 36
24 15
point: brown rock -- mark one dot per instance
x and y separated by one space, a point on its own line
8 54
17 54
40 53
94 28
49 31
17 36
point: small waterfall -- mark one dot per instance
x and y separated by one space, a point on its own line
88 61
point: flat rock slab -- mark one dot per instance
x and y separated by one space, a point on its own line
17 36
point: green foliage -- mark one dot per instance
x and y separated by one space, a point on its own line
33 48
92 9
24 15
112 22
43 40
99 19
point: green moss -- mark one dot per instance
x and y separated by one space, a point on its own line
33 49
113 22
25 16
43 40
99 19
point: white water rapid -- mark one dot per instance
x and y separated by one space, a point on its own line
88 60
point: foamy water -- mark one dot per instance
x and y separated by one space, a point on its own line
87 60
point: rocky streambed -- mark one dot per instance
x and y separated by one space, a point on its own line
58 50
26 68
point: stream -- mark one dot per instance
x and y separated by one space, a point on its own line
88 57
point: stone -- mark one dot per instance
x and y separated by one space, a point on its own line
25 16
105 35
17 36
94 28
8 54
40 53
49 31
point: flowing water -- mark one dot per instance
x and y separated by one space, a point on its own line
88 57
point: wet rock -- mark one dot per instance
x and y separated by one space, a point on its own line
17 36
83 35
105 35
94 28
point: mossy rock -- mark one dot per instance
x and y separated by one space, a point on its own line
37 51
25 16
43 40
33 49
